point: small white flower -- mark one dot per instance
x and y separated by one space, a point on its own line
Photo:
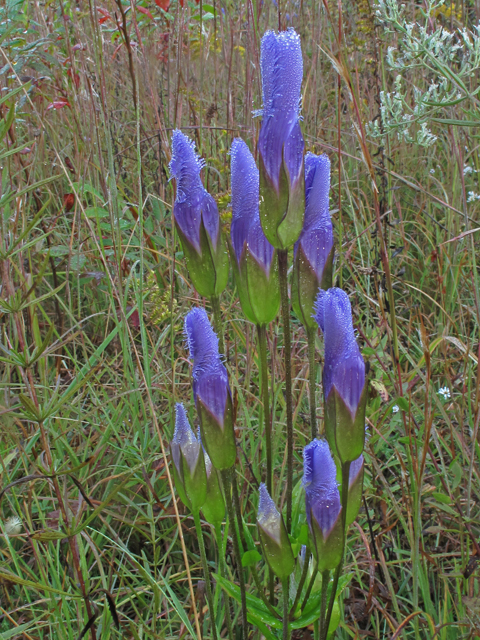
467 169
13 526
472 196
395 408
432 171
445 392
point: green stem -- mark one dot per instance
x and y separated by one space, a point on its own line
285 588
323 604
301 584
310 586
312 372
282 272
262 343
223 573
217 321
203 556
227 484
338 570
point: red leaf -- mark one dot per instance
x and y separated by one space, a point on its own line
164 4
58 104
68 201
75 77
146 12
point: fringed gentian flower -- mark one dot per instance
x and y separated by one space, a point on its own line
322 501
344 381
280 144
314 251
355 489
197 220
256 271
273 536
214 506
211 390
188 462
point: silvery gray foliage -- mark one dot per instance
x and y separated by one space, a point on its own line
450 60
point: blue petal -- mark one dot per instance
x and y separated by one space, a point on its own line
245 193
319 309
322 498
192 201
280 135
326 510
184 439
212 388
246 228
201 338
344 367
268 516
317 187
355 469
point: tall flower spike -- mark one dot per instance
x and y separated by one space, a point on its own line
314 250
256 271
280 144
273 536
344 381
211 390
197 220
189 471
322 502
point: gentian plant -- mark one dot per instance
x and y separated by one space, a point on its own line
283 203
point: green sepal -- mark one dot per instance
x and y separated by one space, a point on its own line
214 507
355 493
218 440
345 433
328 551
178 482
305 286
194 480
208 269
259 293
278 555
281 212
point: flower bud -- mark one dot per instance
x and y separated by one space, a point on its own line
188 463
280 143
253 257
344 381
273 536
322 501
355 489
211 390
197 220
314 250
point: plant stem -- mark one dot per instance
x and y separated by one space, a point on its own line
312 373
310 586
223 573
262 343
338 570
323 603
203 556
301 584
217 321
282 272
227 484
285 587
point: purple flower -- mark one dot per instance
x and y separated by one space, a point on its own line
197 220
313 254
280 143
344 367
273 536
254 267
211 390
322 502
188 462
344 381
322 497
246 229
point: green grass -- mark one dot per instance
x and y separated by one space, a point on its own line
86 391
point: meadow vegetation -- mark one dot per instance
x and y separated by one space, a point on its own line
94 290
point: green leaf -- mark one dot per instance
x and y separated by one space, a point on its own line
402 403
96 212
255 607
58 252
441 497
251 558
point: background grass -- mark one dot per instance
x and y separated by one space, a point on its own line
94 291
